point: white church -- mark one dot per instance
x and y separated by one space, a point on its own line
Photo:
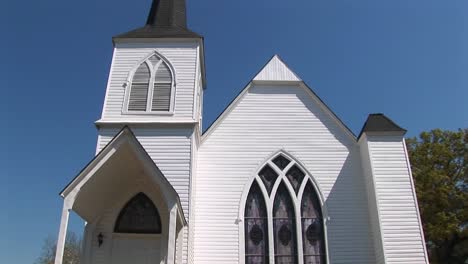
277 178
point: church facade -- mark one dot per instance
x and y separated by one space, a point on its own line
277 178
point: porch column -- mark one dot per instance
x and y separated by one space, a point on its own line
171 243
62 233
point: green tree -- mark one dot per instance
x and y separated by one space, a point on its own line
439 161
71 254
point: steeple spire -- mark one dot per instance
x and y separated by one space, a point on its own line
167 13
167 18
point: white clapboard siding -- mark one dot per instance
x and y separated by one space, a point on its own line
265 120
400 226
182 57
276 70
371 195
170 148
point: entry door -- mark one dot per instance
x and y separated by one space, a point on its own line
136 250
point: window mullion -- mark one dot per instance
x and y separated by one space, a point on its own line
271 236
300 252
149 100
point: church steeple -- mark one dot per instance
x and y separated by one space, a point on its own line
166 19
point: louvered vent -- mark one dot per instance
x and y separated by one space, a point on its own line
162 89
139 89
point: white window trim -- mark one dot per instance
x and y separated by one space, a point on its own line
269 201
149 101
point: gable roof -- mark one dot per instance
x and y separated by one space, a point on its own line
380 123
124 136
276 71
166 19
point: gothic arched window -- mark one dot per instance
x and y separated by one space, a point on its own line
139 216
312 229
284 227
151 88
256 226
288 192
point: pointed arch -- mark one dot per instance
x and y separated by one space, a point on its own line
139 216
157 94
139 88
313 240
283 180
256 227
284 226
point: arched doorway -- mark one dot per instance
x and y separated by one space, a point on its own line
137 233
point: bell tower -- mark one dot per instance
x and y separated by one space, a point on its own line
157 72
155 87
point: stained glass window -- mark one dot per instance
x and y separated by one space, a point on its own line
268 176
256 227
312 227
284 227
281 162
295 177
139 216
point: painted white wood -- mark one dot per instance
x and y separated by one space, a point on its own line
136 250
400 225
62 233
170 149
171 241
276 70
374 214
182 56
266 119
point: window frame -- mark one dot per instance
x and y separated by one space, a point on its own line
152 81
296 199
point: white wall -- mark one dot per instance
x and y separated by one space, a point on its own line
183 57
96 254
170 149
371 196
400 225
265 120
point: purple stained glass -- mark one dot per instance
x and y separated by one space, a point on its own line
284 227
312 227
139 216
295 177
256 227
268 176
281 162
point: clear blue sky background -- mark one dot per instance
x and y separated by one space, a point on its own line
405 58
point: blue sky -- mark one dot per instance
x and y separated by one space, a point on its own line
407 59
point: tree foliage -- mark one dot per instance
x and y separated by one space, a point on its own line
71 254
439 161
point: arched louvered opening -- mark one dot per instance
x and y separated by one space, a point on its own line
162 88
284 227
256 227
313 241
139 89
151 88
139 216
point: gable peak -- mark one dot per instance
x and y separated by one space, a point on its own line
276 70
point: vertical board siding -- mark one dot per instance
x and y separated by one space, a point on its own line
170 150
265 120
400 227
182 56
